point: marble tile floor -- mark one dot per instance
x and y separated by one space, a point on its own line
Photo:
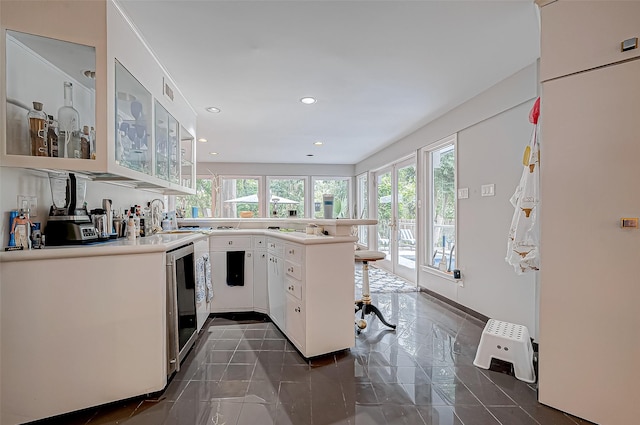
243 371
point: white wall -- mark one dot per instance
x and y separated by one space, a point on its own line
491 152
252 169
17 181
493 130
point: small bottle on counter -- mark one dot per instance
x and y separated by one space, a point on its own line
166 223
131 229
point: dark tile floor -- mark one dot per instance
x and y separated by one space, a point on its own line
242 371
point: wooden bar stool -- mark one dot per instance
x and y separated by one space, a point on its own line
364 304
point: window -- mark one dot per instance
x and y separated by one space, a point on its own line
362 207
441 196
203 199
240 195
336 186
286 194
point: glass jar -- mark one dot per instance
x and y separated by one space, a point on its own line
38 130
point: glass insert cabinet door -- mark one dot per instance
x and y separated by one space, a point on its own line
187 168
133 122
48 93
166 138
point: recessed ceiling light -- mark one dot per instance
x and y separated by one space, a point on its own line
308 100
213 153
202 140
212 109
318 143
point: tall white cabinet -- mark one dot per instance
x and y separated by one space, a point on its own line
589 324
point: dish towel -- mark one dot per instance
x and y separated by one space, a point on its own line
235 268
204 289
207 275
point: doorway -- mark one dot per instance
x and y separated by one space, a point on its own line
395 189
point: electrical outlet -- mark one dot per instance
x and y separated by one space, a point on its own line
28 203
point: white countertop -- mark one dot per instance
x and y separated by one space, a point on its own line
122 246
162 242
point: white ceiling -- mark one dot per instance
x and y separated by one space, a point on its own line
379 69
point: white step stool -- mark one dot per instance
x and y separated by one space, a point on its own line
508 342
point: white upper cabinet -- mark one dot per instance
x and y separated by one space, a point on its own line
581 35
117 87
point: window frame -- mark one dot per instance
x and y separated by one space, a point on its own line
349 183
362 207
428 215
267 189
261 191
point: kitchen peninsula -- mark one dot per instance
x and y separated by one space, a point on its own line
96 315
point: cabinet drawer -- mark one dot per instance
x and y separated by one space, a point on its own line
581 35
275 246
294 287
293 269
295 322
259 242
293 252
230 243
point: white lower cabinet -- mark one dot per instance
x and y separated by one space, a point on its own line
295 314
260 291
103 336
294 288
232 288
307 290
275 283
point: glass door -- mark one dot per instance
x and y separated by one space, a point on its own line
396 207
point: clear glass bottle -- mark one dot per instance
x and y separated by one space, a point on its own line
38 130
52 137
69 127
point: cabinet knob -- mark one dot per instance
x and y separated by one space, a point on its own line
248 254
230 242
297 309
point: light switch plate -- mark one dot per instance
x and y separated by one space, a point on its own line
488 190
463 193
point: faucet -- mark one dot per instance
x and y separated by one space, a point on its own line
156 214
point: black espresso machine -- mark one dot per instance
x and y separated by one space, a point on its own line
68 223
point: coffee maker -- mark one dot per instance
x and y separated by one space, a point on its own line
68 221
